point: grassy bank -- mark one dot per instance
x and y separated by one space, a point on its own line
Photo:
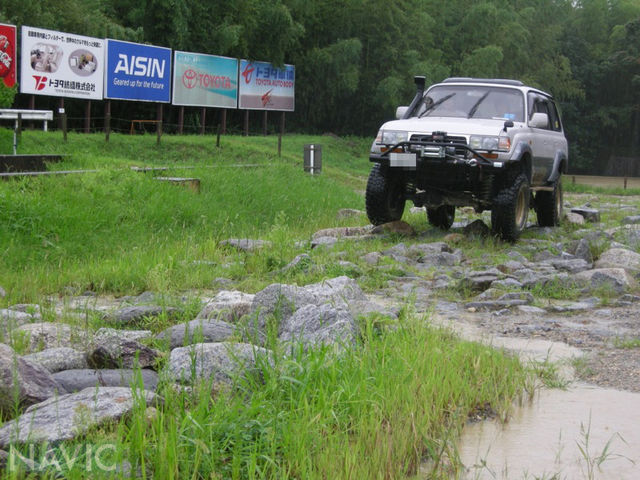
122 232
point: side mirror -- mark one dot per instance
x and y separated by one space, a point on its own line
507 124
401 112
539 120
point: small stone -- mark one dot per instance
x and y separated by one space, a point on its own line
323 242
631 220
399 227
372 258
476 228
339 232
128 315
589 214
301 263
348 213
246 244
574 218
227 306
531 310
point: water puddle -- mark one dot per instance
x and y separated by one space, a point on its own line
582 433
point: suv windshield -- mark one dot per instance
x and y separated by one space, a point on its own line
471 101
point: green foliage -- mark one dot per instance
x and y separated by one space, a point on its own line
7 94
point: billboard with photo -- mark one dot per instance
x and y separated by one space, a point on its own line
205 80
8 53
137 72
265 87
61 64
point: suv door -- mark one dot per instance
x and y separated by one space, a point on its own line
547 141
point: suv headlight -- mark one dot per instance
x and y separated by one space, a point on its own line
391 137
492 143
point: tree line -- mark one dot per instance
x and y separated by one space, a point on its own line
355 59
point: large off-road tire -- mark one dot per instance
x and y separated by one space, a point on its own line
385 196
549 206
510 209
441 217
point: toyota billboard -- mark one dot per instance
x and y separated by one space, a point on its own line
265 87
205 80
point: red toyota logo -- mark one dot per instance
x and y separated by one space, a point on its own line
41 82
190 78
248 72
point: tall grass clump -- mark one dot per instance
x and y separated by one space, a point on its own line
380 409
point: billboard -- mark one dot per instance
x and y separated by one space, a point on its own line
61 64
8 54
137 72
205 80
264 87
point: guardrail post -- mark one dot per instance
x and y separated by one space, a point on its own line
159 124
107 120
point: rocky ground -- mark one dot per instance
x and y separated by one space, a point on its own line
577 286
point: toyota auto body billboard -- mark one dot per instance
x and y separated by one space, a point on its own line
137 72
205 80
265 87
8 54
61 64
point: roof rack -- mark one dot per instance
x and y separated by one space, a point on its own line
503 81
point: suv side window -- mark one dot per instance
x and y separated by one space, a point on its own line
556 126
539 104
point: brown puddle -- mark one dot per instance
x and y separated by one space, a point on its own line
542 440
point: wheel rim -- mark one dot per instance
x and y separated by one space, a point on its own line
521 208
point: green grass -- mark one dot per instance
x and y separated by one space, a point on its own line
379 410
120 231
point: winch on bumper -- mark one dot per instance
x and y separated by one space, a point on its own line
442 172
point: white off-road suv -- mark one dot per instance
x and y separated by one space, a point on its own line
486 143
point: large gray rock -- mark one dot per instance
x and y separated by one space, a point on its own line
619 258
58 359
284 300
617 279
316 325
45 335
571 265
128 315
116 352
68 416
197 331
227 306
78 379
217 361
11 319
131 335
24 381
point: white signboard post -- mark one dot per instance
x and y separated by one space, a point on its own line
61 64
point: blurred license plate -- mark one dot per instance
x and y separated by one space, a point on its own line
402 159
